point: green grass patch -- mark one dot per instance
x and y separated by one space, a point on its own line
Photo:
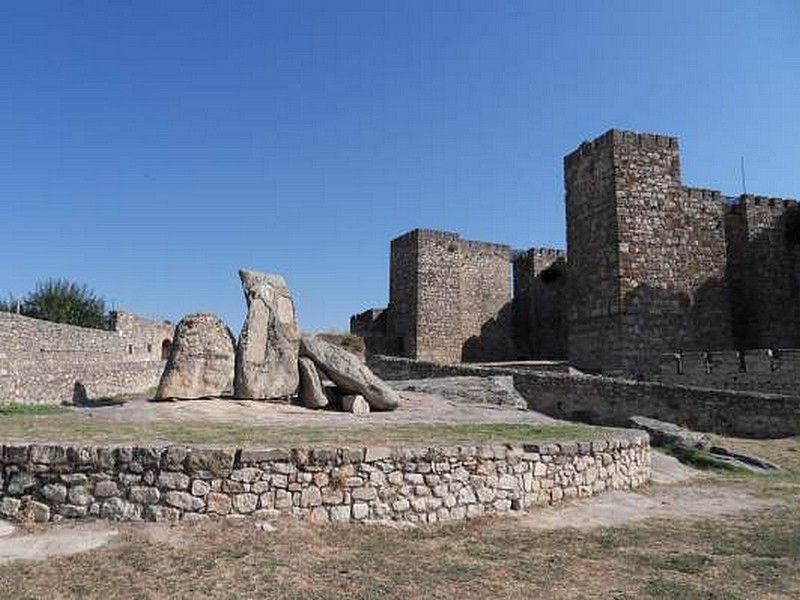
16 409
700 459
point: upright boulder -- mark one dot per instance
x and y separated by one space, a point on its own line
312 394
266 357
201 360
349 374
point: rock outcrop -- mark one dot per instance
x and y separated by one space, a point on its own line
312 394
349 374
266 357
488 389
201 361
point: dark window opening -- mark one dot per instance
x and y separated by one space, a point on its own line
550 275
166 345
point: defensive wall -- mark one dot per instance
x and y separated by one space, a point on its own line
45 362
611 401
654 267
774 371
427 485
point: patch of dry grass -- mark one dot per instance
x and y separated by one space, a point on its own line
754 557
64 427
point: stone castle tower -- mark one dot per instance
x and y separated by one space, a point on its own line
652 267
647 256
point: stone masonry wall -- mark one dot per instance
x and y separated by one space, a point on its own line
594 303
611 401
450 298
776 371
765 268
665 289
48 483
41 361
540 296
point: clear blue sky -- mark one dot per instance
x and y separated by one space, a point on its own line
149 149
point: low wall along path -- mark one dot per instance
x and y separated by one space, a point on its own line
53 482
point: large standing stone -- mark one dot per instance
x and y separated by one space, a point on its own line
312 393
201 361
266 358
349 374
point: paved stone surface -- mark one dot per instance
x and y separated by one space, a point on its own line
6 528
670 502
57 542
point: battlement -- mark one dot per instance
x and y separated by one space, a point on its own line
694 193
753 200
551 253
618 138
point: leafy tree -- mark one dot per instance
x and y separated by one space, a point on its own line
61 301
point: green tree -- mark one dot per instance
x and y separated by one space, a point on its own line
61 301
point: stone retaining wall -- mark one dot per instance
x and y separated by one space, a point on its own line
611 401
50 483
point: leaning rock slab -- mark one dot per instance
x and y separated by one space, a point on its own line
312 395
201 361
349 374
266 357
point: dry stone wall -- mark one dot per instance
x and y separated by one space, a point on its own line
49 483
45 362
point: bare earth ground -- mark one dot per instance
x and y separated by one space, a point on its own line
715 535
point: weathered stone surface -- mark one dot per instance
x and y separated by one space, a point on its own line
201 361
669 434
312 395
183 500
355 403
266 356
349 374
38 511
490 389
117 509
219 504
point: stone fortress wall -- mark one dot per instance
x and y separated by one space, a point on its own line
427 485
45 362
652 267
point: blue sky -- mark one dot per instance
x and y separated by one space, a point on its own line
149 149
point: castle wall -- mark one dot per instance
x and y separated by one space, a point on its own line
401 318
612 401
41 361
651 255
486 292
761 370
765 267
592 241
540 296
450 298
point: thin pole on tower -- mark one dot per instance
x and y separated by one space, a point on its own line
744 181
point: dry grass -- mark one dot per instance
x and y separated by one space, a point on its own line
64 427
753 557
